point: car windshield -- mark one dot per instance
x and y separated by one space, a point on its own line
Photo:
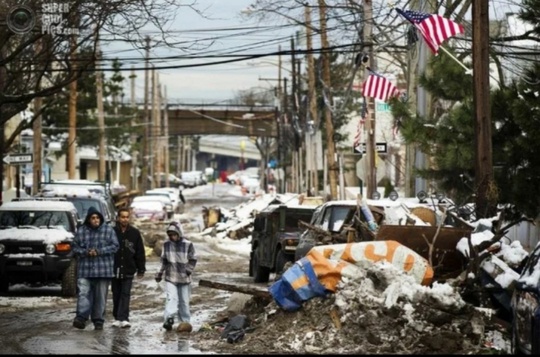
35 218
84 204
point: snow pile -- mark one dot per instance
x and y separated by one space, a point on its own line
381 311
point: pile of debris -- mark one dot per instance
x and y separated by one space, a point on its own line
383 311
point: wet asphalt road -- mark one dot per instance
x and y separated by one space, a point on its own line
39 320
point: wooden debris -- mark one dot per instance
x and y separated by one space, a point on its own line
245 289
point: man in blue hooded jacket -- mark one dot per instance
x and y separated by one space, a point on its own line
94 246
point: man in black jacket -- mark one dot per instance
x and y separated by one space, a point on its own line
130 259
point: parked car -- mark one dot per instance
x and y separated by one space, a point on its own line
175 200
165 199
274 239
35 243
526 307
192 178
251 184
329 216
151 210
174 181
79 190
234 177
176 196
82 199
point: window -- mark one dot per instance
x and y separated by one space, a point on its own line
35 218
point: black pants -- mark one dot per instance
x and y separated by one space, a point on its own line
121 292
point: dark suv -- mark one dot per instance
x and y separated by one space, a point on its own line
274 239
35 244
83 194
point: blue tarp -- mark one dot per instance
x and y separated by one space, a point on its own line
291 290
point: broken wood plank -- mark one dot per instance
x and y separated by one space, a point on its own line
245 289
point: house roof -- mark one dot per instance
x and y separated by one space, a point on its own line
111 153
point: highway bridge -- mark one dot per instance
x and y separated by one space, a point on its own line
242 120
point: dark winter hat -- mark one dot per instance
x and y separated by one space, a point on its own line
175 227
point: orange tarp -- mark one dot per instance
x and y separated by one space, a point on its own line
328 261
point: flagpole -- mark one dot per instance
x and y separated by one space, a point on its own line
467 70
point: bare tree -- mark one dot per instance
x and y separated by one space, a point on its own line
40 41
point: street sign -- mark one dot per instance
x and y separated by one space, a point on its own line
19 159
361 148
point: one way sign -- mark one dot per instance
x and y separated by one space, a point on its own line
361 148
19 159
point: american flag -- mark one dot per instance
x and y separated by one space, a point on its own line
360 127
376 86
434 28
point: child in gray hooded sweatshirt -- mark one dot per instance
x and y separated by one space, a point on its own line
178 261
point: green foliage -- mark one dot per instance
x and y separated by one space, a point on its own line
447 135
118 115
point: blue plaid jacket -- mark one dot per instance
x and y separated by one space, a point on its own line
104 240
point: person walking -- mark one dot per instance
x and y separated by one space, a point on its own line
94 246
130 259
178 261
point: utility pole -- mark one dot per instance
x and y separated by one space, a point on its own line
101 115
282 188
294 111
72 115
331 159
146 120
152 136
420 158
312 103
134 153
166 135
37 129
371 170
486 197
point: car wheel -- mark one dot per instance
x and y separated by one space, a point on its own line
281 260
260 274
69 280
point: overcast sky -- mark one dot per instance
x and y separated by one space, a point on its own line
222 22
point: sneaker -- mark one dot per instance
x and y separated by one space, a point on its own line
117 323
168 324
125 324
98 326
79 323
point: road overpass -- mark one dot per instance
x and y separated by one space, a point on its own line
243 120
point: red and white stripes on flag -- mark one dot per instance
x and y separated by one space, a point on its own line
360 127
434 28
379 87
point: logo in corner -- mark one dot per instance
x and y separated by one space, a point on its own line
21 19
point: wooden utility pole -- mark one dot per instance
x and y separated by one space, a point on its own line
72 116
37 129
371 170
146 121
134 153
101 115
152 138
38 145
312 102
486 196
331 159
166 135
294 111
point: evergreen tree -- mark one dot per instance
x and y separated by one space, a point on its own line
447 134
118 116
